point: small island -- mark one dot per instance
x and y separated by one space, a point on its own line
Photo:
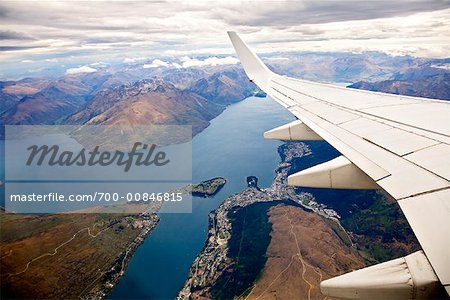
205 188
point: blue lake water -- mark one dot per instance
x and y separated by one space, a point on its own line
232 147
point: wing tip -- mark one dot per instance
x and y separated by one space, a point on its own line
234 36
256 70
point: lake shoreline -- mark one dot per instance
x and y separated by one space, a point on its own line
160 266
214 260
112 278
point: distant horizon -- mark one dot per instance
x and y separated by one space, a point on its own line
65 35
182 62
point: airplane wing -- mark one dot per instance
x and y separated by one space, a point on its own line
397 143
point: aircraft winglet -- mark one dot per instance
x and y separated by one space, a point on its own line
256 70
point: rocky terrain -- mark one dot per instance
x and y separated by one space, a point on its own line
225 87
48 105
149 101
188 96
12 91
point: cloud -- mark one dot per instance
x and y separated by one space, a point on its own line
210 61
445 66
130 32
156 64
177 65
27 61
83 69
130 60
16 48
188 62
99 64
283 14
14 35
276 58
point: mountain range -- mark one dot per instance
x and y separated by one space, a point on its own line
131 94
173 96
147 101
429 80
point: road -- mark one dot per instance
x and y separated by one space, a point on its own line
55 251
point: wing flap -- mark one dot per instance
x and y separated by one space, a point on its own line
428 216
330 113
399 141
440 165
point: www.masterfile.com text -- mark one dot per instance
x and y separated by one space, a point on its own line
96 197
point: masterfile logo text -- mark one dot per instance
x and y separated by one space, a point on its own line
140 154
50 169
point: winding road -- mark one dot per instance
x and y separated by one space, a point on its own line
304 265
55 251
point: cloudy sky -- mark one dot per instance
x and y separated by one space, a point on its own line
34 34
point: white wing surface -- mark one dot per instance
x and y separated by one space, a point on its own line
400 144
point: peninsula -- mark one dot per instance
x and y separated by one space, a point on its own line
280 242
239 241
